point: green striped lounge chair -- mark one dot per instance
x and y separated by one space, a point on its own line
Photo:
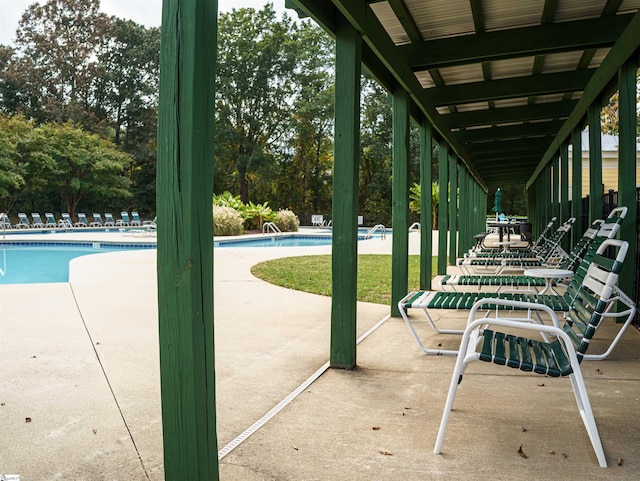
433 300
555 350
599 229
549 256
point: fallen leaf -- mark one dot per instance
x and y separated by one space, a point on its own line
439 344
598 371
98 343
1 404
407 407
33 357
565 455
552 452
295 448
541 385
524 430
521 453
376 428
620 461
95 431
386 453
27 420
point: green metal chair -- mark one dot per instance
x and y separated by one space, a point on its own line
492 340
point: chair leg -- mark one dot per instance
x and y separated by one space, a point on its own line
461 366
439 352
584 406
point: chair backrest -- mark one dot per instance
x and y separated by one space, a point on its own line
82 218
36 218
108 218
589 299
97 218
24 220
542 237
125 217
50 218
5 221
135 217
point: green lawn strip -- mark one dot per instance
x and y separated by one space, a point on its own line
313 274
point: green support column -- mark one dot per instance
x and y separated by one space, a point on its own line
185 239
463 212
443 203
627 169
576 185
595 163
453 209
400 200
426 216
564 192
345 196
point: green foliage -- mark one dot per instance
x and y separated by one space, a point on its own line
415 201
226 221
227 199
59 165
286 220
257 214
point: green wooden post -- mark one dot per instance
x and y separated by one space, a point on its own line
443 202
463 212
576 185
453 209
564 191
595 163
627 169
345 195
185 239
426 216
400 200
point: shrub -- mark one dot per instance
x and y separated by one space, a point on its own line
286 220
226 221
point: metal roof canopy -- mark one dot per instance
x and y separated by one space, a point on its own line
504 83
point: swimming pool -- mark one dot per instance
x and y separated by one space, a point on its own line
38 262
277 241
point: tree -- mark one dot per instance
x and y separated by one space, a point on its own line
256 60
80 166
305 165
58 45
12 130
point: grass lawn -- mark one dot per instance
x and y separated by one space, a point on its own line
313 274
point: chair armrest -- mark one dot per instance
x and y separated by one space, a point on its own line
529 306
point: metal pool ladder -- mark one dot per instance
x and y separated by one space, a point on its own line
377 228
271 227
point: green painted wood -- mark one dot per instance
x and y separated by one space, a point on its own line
627 168
453 209
443 207
345 196
576 182
625 47
404 16
400 200
517 42
426 205
484 90
524 113
378 40
595 163
555 186
185 233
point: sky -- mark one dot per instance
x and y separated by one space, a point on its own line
145 12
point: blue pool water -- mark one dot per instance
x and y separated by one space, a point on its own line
284 241
30 263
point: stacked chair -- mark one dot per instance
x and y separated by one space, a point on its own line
430 300
555 350
603 229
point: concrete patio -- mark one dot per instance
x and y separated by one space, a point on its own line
80 397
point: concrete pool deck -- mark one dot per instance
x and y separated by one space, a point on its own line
80 399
